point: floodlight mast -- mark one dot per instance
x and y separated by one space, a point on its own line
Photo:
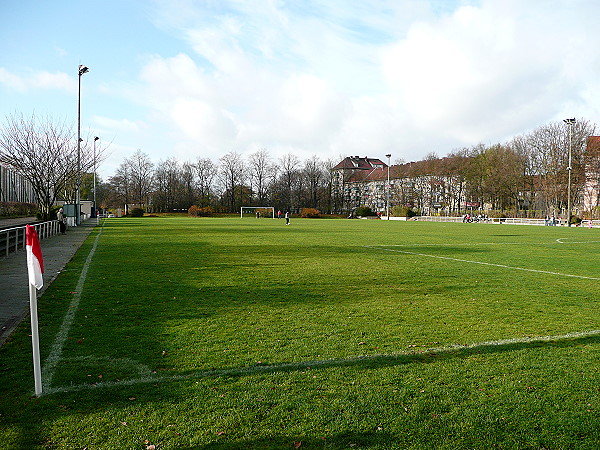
95 168
387 195
82 69
570 123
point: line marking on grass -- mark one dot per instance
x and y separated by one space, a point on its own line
504 266
61 337
315 364
561 241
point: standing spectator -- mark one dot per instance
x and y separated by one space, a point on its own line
287 217
60 216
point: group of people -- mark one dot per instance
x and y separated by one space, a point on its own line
550 221
287 216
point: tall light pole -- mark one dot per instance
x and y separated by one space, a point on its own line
570 123
387 196
95 207
82 70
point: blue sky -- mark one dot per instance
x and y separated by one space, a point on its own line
193 79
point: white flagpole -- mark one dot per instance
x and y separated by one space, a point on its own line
35 340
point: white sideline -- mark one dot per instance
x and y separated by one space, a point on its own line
504 266
304 365
61 337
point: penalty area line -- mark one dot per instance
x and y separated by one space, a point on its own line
503 266
317 364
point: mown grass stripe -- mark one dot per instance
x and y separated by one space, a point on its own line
504 266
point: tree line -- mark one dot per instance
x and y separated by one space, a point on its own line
526 175
257 180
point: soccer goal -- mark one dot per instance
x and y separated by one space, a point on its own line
257 211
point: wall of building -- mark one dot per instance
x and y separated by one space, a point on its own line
14 188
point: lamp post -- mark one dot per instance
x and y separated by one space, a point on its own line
82 70
95 207
570 123
387 196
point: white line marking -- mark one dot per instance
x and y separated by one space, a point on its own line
447 244
63 333
561 241
304 365
504 266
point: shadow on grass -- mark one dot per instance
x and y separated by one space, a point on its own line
426 356
417 357
345 440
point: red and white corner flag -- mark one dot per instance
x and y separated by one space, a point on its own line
35 267
35 262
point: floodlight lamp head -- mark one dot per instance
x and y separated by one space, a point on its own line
96 138
389 155
569 121
83 69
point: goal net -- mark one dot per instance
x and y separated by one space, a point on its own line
257 211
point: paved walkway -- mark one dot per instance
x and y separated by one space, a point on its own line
57 251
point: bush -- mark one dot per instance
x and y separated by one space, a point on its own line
574 220
17 209
364 211
136 212
197 211
403 211
310 213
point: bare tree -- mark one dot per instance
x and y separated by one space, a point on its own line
172 184
314 177
141 173
231 175
260 174
290 168
120 187
205 171
44 152
188 195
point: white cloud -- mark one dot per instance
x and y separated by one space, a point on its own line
12 81
488 71
344 78
38 80
119 124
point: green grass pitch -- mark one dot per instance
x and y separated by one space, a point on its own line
245 333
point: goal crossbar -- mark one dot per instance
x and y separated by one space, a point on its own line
249 208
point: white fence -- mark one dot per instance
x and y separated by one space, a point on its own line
505 220
12 239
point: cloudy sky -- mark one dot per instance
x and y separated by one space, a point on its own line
201 78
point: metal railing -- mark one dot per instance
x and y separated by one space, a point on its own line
12 239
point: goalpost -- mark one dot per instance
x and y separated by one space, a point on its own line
254 209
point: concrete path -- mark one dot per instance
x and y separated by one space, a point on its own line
57 251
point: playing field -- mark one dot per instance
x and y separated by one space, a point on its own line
246 333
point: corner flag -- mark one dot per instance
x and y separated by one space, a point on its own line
35 267
35 263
